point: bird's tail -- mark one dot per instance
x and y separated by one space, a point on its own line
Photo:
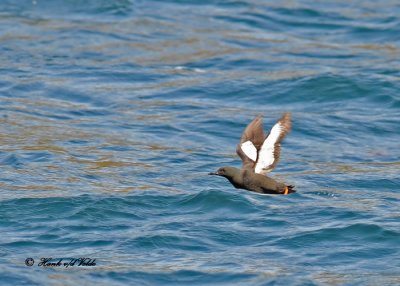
289 189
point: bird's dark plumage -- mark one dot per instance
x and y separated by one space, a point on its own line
259 154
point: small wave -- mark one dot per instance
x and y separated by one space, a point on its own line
212 200
359 233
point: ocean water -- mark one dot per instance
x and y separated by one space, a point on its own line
113 112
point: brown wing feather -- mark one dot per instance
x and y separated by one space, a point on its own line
254 133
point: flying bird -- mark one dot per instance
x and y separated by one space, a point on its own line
260 155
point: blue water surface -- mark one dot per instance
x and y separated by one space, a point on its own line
113 112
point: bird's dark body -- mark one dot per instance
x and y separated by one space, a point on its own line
248 180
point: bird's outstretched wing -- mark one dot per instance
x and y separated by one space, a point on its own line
268 154
251 142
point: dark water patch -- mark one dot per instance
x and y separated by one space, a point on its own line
328 88
376 34
22 278
355 234
233 4
179 277
207 201
265 23
181 242
90 112
28 87
367 182
47 237
308 13
295 22
69 95
62 245
43 114
12 160
53 10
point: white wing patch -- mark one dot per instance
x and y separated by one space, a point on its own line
250 150
266 155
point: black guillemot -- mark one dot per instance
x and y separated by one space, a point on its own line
259 154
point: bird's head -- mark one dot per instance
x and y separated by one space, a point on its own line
227 172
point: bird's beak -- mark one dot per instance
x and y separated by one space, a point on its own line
213 173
